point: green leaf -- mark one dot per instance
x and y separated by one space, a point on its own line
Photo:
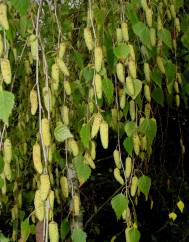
1 182
6 105
99 16
119 204
144 184
85 135
157 77
79 235
178 3
78 59
158 96
170 72
62 132
131 13
121 51
21 6
165 36
149 128
185 39
130 128
25 229
64 229
128 145
3 238
137 87
134 235
141 30
108 90
24 24
109 50
83 170
1 164
88 74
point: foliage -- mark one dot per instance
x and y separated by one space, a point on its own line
77 76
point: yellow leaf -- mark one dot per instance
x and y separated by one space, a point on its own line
172 216
180 205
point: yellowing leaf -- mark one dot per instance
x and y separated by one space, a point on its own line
172 216
180 206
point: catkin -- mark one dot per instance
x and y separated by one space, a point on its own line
37 158
177 100
122 99
119 35
132 110
6 70
149 14
132 69
98 58
134 185
130 86
147 72
98 86
53 232
117 157
7 171
177 24
62 66
120 70
104 134
131 52
128 167
46 131
147 110
153 36
88 38
55 76
3 16
144 4
76 205
47 98
124 29
67 88
1 45
96 124
73 146
147 93
65 113
93 150
89 160
173 11
7 150
44 186
136 143
64 186
34 46
39 206
33 101
51 199
117 176
61 50
160 64
176 87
